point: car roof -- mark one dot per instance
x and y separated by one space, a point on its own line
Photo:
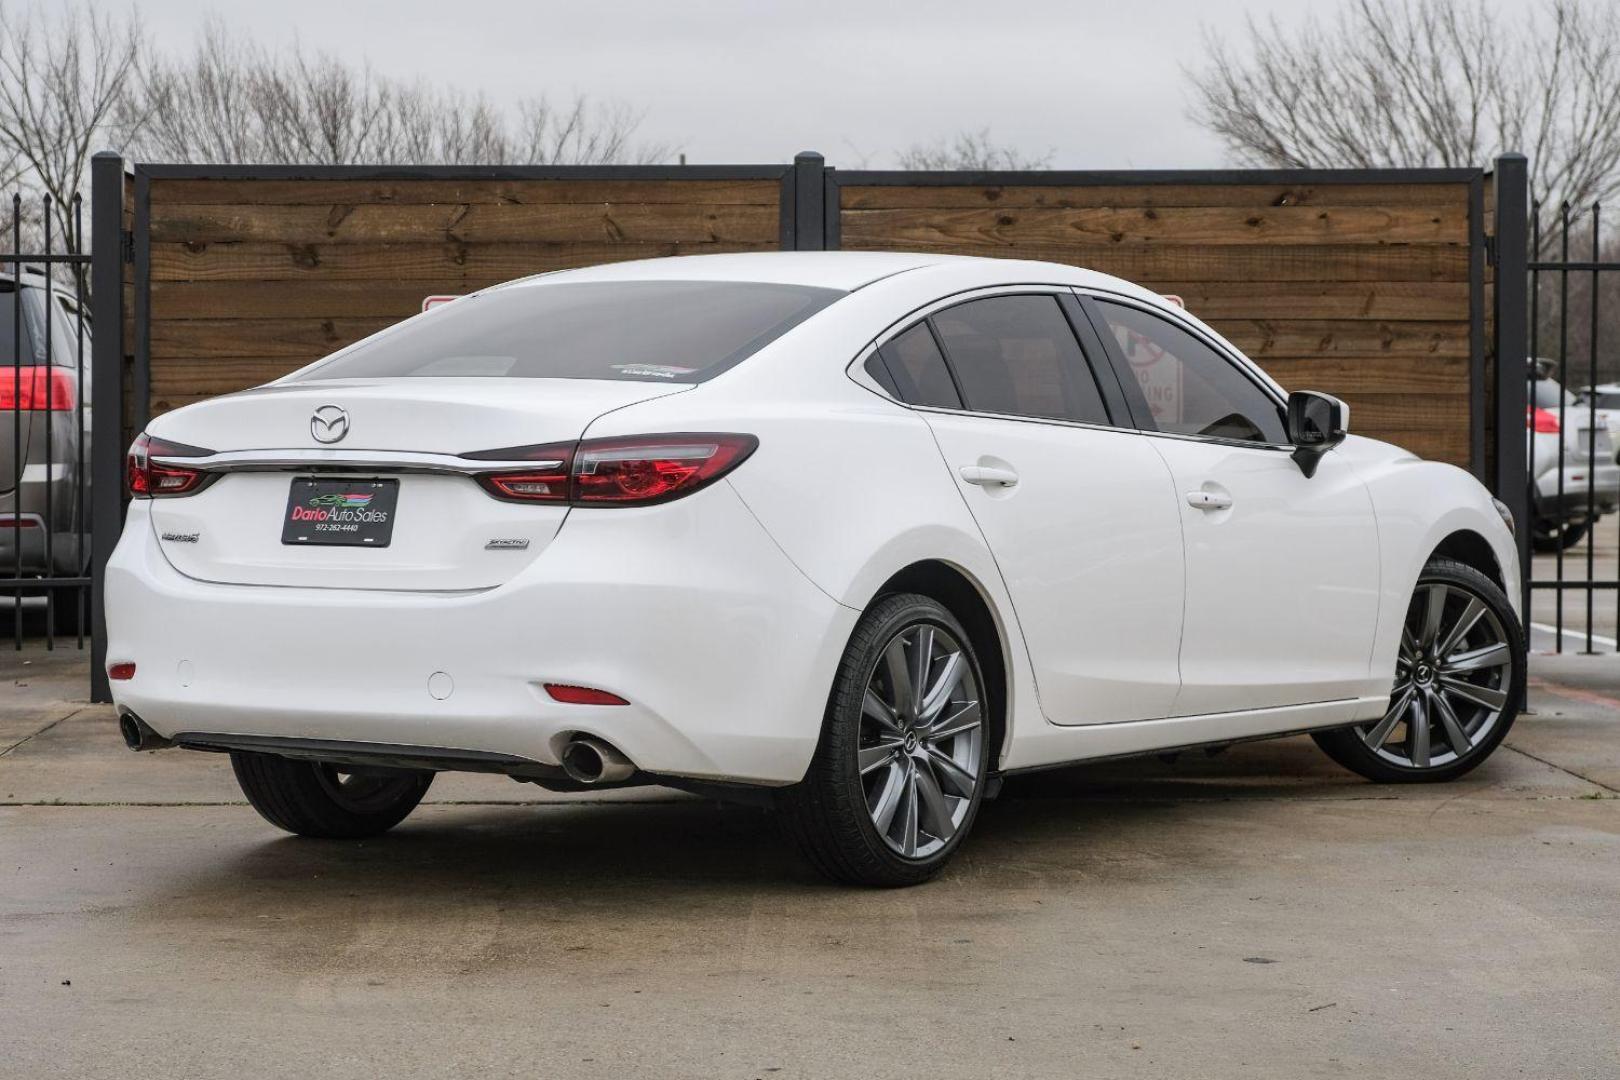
843 270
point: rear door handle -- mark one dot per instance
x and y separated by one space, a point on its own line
989 476
1208 500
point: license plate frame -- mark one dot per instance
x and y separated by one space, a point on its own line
323 511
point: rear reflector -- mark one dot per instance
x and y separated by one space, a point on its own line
9 521
121 672
635 470
578 695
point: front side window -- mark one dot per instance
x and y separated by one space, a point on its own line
639 331
1191 389
1018 356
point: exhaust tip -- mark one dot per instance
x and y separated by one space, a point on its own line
592 761
138 736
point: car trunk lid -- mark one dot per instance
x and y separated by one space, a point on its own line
391 441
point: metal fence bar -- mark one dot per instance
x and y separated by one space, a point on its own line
107 388
1512 325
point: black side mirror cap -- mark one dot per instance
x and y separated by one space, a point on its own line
1316 424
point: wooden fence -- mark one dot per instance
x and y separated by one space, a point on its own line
1365 285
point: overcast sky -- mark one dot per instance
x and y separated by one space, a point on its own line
1098 83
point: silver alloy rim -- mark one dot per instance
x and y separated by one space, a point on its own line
921 740
1452 680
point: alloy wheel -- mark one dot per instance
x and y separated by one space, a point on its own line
920 749
1453 677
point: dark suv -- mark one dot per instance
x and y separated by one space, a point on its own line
44 428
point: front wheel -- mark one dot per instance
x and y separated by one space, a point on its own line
900 771
313 798
1459 677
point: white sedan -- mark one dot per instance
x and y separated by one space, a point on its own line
866 532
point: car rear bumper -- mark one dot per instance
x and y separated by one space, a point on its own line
1586 489
689 611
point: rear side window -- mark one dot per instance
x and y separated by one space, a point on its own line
911 368
1018 356
641 331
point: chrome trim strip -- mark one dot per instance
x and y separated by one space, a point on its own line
347 460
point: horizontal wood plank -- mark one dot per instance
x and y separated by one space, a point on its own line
968 196
1260 338
1165 262
483 223
284 299
1383 301
428 192
450 266
1010 228
1352 376
300 338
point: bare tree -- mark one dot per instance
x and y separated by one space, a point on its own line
1426 83
61 84
235 102
971 150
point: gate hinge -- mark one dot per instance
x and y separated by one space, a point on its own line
126 245
1490 250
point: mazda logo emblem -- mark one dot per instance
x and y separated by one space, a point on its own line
329 424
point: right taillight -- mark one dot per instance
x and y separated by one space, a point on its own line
635 470
38 389
151 479
1541 421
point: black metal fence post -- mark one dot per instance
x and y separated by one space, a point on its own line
1512 356
107 394
809 202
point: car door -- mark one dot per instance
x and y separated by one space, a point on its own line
1282 569
1078 510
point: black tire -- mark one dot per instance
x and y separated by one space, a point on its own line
827 814
1549 537
312 798
1347 746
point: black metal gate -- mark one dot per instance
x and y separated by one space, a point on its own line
45 421
1572 423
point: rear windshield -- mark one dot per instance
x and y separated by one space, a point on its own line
641 331
13 333
1548 394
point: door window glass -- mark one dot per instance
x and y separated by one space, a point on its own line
1191 389
1018 356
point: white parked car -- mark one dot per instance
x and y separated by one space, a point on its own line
1572 464
864 531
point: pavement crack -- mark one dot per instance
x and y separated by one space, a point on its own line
1562 769
41 731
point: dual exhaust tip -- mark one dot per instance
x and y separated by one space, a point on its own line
586 760
591 761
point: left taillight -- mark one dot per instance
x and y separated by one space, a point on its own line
38 389
636 470
161 479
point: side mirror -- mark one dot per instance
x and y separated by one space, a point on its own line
1316 424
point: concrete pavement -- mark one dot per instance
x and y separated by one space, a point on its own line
1258 913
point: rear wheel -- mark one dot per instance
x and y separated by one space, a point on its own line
898 777
1459 677
313 798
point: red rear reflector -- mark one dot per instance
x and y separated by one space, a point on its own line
148 478
122 671
578 695
37 389
1542 422
11 521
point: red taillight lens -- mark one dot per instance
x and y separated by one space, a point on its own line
148 478
37 389
582 695
121 671
1541 421
634 470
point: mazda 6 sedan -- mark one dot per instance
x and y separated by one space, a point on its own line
858 533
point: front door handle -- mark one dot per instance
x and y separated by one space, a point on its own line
1208 500
989 476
